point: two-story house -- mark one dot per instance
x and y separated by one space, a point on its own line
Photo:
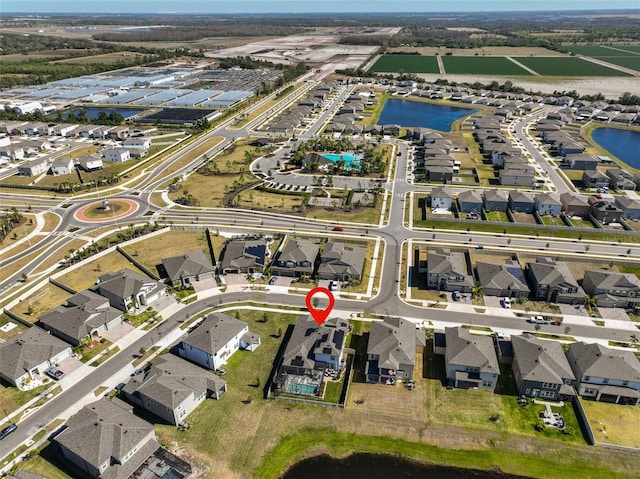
502 279
106 440
605 374
553 281
127 289
391 351
216 339
297 258
470 360
172 388
541 369
611 289
447 271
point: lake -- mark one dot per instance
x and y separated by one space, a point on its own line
378 466
417 114
624 144
93 112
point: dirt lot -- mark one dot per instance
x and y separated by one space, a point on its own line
524 218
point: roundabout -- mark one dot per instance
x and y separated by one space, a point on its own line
104 211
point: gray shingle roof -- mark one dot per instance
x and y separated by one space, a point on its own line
602 362
308 338
553 274
498 276
297 251
394 341
108 429
541 360
125 283
340 259
466 349
237 254
610 280
171 380
27 350
86 312
187 265
470 196
214 332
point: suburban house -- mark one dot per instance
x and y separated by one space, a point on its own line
143 142
516 175
470 359
297 258
502 279
116 155
85 316
630 207
62 166
188 267
520 202
604 211
441 197
621 179
495 200
244 255
106 440
90 163
553 282
216 339
470 201
28 355
340 262
612 290
541 369
447 271
595 179
605 374
118 132
391 351
311 350
582 162
12 152
172 388
127 289
574 205
64 129
547 204
33 168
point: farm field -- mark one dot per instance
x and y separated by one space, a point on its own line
632 62
408 63
598 51
486 50
482 66
569 66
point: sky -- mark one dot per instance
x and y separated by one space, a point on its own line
302 6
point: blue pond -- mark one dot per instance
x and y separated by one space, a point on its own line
624 144
417 114
348 157
93 112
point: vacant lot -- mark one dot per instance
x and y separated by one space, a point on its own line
568 66
40 301
87 275
482 66
613 423
406 63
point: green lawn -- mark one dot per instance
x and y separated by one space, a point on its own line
613 423
497 216
12 398
567 66
482 66
407 63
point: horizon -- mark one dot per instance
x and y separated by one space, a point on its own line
195 7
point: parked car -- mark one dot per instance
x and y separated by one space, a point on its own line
537 320
136 372
7 430
273 280
506 303
54 373
455 295
333 285
338 228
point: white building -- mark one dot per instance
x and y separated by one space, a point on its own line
116 155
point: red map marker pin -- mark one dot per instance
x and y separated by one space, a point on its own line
320 316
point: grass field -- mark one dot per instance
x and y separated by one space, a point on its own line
152 250
407 63
613 423
87 275
598 51
569 66
627 62
482 66
40 301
